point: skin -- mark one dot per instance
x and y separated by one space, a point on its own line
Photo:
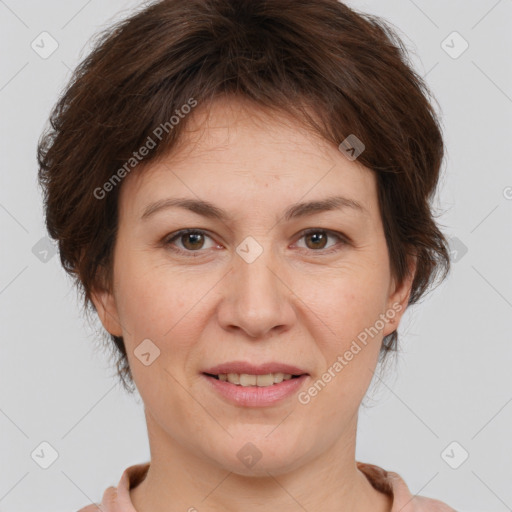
296 303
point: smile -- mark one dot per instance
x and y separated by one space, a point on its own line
246 379
249 390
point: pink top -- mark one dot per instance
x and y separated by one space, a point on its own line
118 499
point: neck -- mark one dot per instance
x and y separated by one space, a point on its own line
179 479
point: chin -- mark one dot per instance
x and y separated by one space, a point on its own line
257 456
263 467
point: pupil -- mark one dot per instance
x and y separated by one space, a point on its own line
195 237
319 237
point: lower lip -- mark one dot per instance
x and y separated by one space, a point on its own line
255 396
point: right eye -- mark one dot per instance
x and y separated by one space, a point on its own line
191 240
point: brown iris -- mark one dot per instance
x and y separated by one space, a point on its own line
319 238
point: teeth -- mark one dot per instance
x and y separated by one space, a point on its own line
247 380
278 377
244 379
234 378
264 380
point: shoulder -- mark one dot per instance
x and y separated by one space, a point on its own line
392 483
424 504
109 498
117 499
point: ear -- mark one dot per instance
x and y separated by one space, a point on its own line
398 298
106 307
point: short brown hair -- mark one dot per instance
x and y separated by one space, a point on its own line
294 56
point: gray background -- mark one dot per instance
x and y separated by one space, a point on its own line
452 381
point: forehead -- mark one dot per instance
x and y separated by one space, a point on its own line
240 127
235 152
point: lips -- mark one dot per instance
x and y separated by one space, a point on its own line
264 387
241 367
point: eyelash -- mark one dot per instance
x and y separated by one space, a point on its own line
194 254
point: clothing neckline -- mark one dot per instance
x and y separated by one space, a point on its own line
117 499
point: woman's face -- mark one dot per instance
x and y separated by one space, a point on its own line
252 288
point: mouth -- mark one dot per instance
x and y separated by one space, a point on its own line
247 379
247 385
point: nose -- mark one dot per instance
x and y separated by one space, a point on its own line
257 298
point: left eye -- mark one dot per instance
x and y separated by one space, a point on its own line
319 238
193 240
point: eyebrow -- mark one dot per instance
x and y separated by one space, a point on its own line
209 210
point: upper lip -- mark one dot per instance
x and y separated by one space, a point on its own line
253 369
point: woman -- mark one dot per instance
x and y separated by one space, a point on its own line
241 191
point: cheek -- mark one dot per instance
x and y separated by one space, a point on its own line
349 336
149 300
349 299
